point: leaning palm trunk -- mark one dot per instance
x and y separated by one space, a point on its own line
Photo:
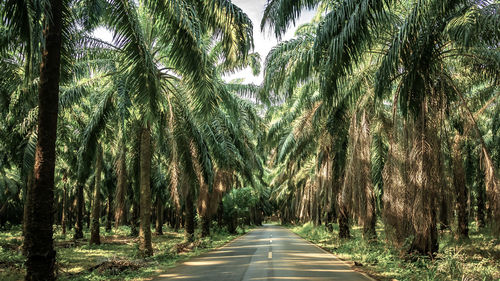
145 245
39 244
96 204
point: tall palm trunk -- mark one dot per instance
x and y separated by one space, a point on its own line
343 222
79 212
41 256
220 214
443 214
88 213
96 204
189 223
203 205
29 184
461 190
145 193
425 183
64 216
481 198
109 211
134 218
121 171
203 209
159 216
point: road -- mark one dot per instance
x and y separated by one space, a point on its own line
267 253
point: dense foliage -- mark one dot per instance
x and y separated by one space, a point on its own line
386 109
377 111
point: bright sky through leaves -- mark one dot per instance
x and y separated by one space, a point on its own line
264 41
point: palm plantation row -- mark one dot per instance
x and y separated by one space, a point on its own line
374 110
390 109
148 111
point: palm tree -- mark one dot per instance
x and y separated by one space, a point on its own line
414 45
40 263
145 48
289 69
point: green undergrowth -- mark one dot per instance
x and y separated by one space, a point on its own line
117 258
475 259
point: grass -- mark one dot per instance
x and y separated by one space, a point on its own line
475 259
117 258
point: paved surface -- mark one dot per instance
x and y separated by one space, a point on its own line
267 253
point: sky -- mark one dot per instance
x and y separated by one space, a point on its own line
263 41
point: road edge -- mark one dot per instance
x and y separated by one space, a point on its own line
357 269
156 277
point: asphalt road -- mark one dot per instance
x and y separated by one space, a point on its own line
267 253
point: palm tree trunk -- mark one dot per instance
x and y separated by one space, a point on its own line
189 223
41 256
424 158
330 219
134 219
369 231
343 222
159 216
109 212
461 190
121 171
443 214
145 246
220 214
29 184
96 204
64 209
203 210
79 212
87 212
481 198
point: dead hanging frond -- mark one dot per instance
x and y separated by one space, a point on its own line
412 177
357 192
203 191
397 196
424 179
223 181
492 189
324 172
304 125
